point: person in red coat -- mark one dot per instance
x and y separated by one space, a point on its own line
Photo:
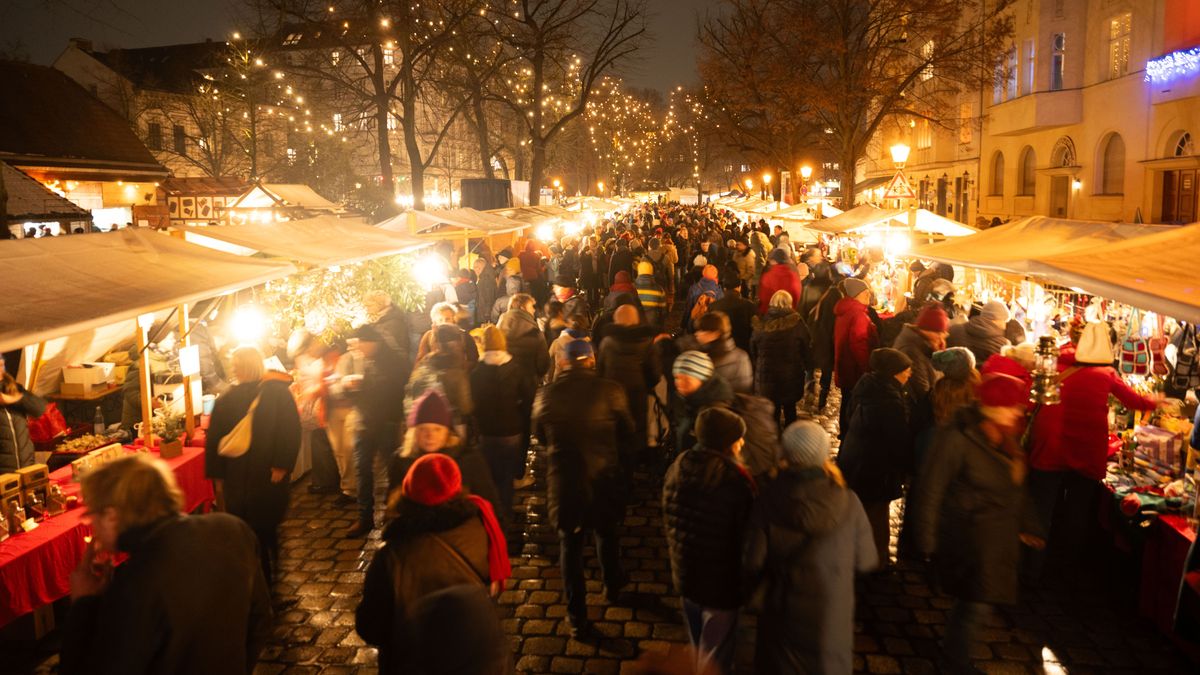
1069 453
854 338
780 276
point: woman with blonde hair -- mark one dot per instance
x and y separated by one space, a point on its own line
190 598
254 486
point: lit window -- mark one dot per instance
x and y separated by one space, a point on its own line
1058 45
1183 148
924 135
1119 29
335 56
393 122
292 39
291 155
337 122
1010 70
1027 68
927 57
389 56
1027 181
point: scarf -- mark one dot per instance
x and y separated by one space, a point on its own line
499 568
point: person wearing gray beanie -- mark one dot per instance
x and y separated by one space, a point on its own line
820 529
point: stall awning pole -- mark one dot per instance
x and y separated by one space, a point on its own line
144 322
36 370
185 340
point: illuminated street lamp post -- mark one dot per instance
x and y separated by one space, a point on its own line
749 186
600 188
805 175
900 153
766 187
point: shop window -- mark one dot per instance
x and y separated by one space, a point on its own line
154 139
1112 163
1058 59
180 138
924 135
1027 177
1119 29
998 175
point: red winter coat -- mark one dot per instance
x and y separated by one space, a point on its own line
778 277
531 263
854 338
1073 435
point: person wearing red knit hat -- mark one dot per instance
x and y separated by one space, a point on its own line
439 537
974 512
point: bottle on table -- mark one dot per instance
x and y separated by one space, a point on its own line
98 424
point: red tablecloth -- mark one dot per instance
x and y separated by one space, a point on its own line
1163 559
35 567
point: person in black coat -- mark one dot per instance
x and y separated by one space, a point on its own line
822 320
707 499
254 486
486 289
584 420
626 357
622 261
740 311
191 598
17 407
779 350
500 394
876 455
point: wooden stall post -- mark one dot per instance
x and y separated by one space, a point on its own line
36 370
144 323
185 340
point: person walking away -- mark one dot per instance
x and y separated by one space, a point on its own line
189 599
486 290
876 456
665 258
577 329
17 407
984 334
974 512
585 420
1069 453
442 370
456 631
714 336
807 538
254 486
439 536
779 350
779 276
651 296
626 357
622 261
378 397
707 498
467 293
533 273
390 322
341 417
918 342
500 393
740 311
430 431
746 263
446 314
313 366
527 346
706 285
854 338
512 287
822 322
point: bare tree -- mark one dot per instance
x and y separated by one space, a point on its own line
846 67
562 49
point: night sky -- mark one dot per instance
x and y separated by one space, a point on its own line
40 29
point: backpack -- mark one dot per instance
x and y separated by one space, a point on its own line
706 299
1135 352
762 451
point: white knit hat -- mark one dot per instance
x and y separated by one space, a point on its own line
805 444
1094 346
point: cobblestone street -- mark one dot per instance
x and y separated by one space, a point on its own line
1079 630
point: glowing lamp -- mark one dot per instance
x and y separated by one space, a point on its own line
189 360
248 324
1076 184
899 243
429 271
557 183
806 172
1045 390
572 228
545 232
766 179
749 183
900 154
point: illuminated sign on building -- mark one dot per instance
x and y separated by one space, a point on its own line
1174 65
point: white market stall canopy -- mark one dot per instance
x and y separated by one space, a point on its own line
67 285
452 223
927 222
1020 246
319 242
283 196
536 215
1156 272
857 218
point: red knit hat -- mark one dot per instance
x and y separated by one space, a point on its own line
933 319
433 479
431 408
998 390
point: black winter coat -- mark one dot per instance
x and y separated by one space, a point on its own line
622 261
627 358
486 291
876 454
707 499
807 539
585 421
190 600
16 448
393 326
971 511
685 409
500 394
821 327
380 400
924 376
526 343
275 442
779 350
741 313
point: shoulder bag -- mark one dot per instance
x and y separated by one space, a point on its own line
237 442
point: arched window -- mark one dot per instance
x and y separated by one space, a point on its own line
1027 179
1183 146
997 188
1112 165
1063 153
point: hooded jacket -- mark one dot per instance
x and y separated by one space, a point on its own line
622 261
731 363
854 338
512 286
876 455
16 448
627 358
917 349
525 342
981 336
806 540
778 277
706 501
746 265
779 350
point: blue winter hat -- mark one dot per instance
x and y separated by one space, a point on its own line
694 363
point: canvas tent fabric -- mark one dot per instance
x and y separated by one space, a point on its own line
1020 246
74 284
856 218
452 223
29 200
1156 272
927 222
320 241
283 195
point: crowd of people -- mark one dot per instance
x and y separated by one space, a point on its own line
676 341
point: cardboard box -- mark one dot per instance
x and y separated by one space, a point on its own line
87 374
34 474
76 389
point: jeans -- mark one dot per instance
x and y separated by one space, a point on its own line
786 409
1064 502
711 632
506 459
961 628
324 467
378 440
608 549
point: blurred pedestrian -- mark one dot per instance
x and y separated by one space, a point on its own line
854 338
779 350
697 386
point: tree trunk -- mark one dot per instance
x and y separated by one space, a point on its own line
537 165
416 163
849 159
481 132
383 103
4 231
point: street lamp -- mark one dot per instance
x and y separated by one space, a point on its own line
900 154
766 187
805 174
600 187
749 185
899 158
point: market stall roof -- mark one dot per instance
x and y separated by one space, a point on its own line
283 195
320 241
927 222
111 277
1155 272
535 215
1020 246
452 223
29 200
856 218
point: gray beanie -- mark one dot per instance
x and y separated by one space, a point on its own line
805 444
995 311
854 287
